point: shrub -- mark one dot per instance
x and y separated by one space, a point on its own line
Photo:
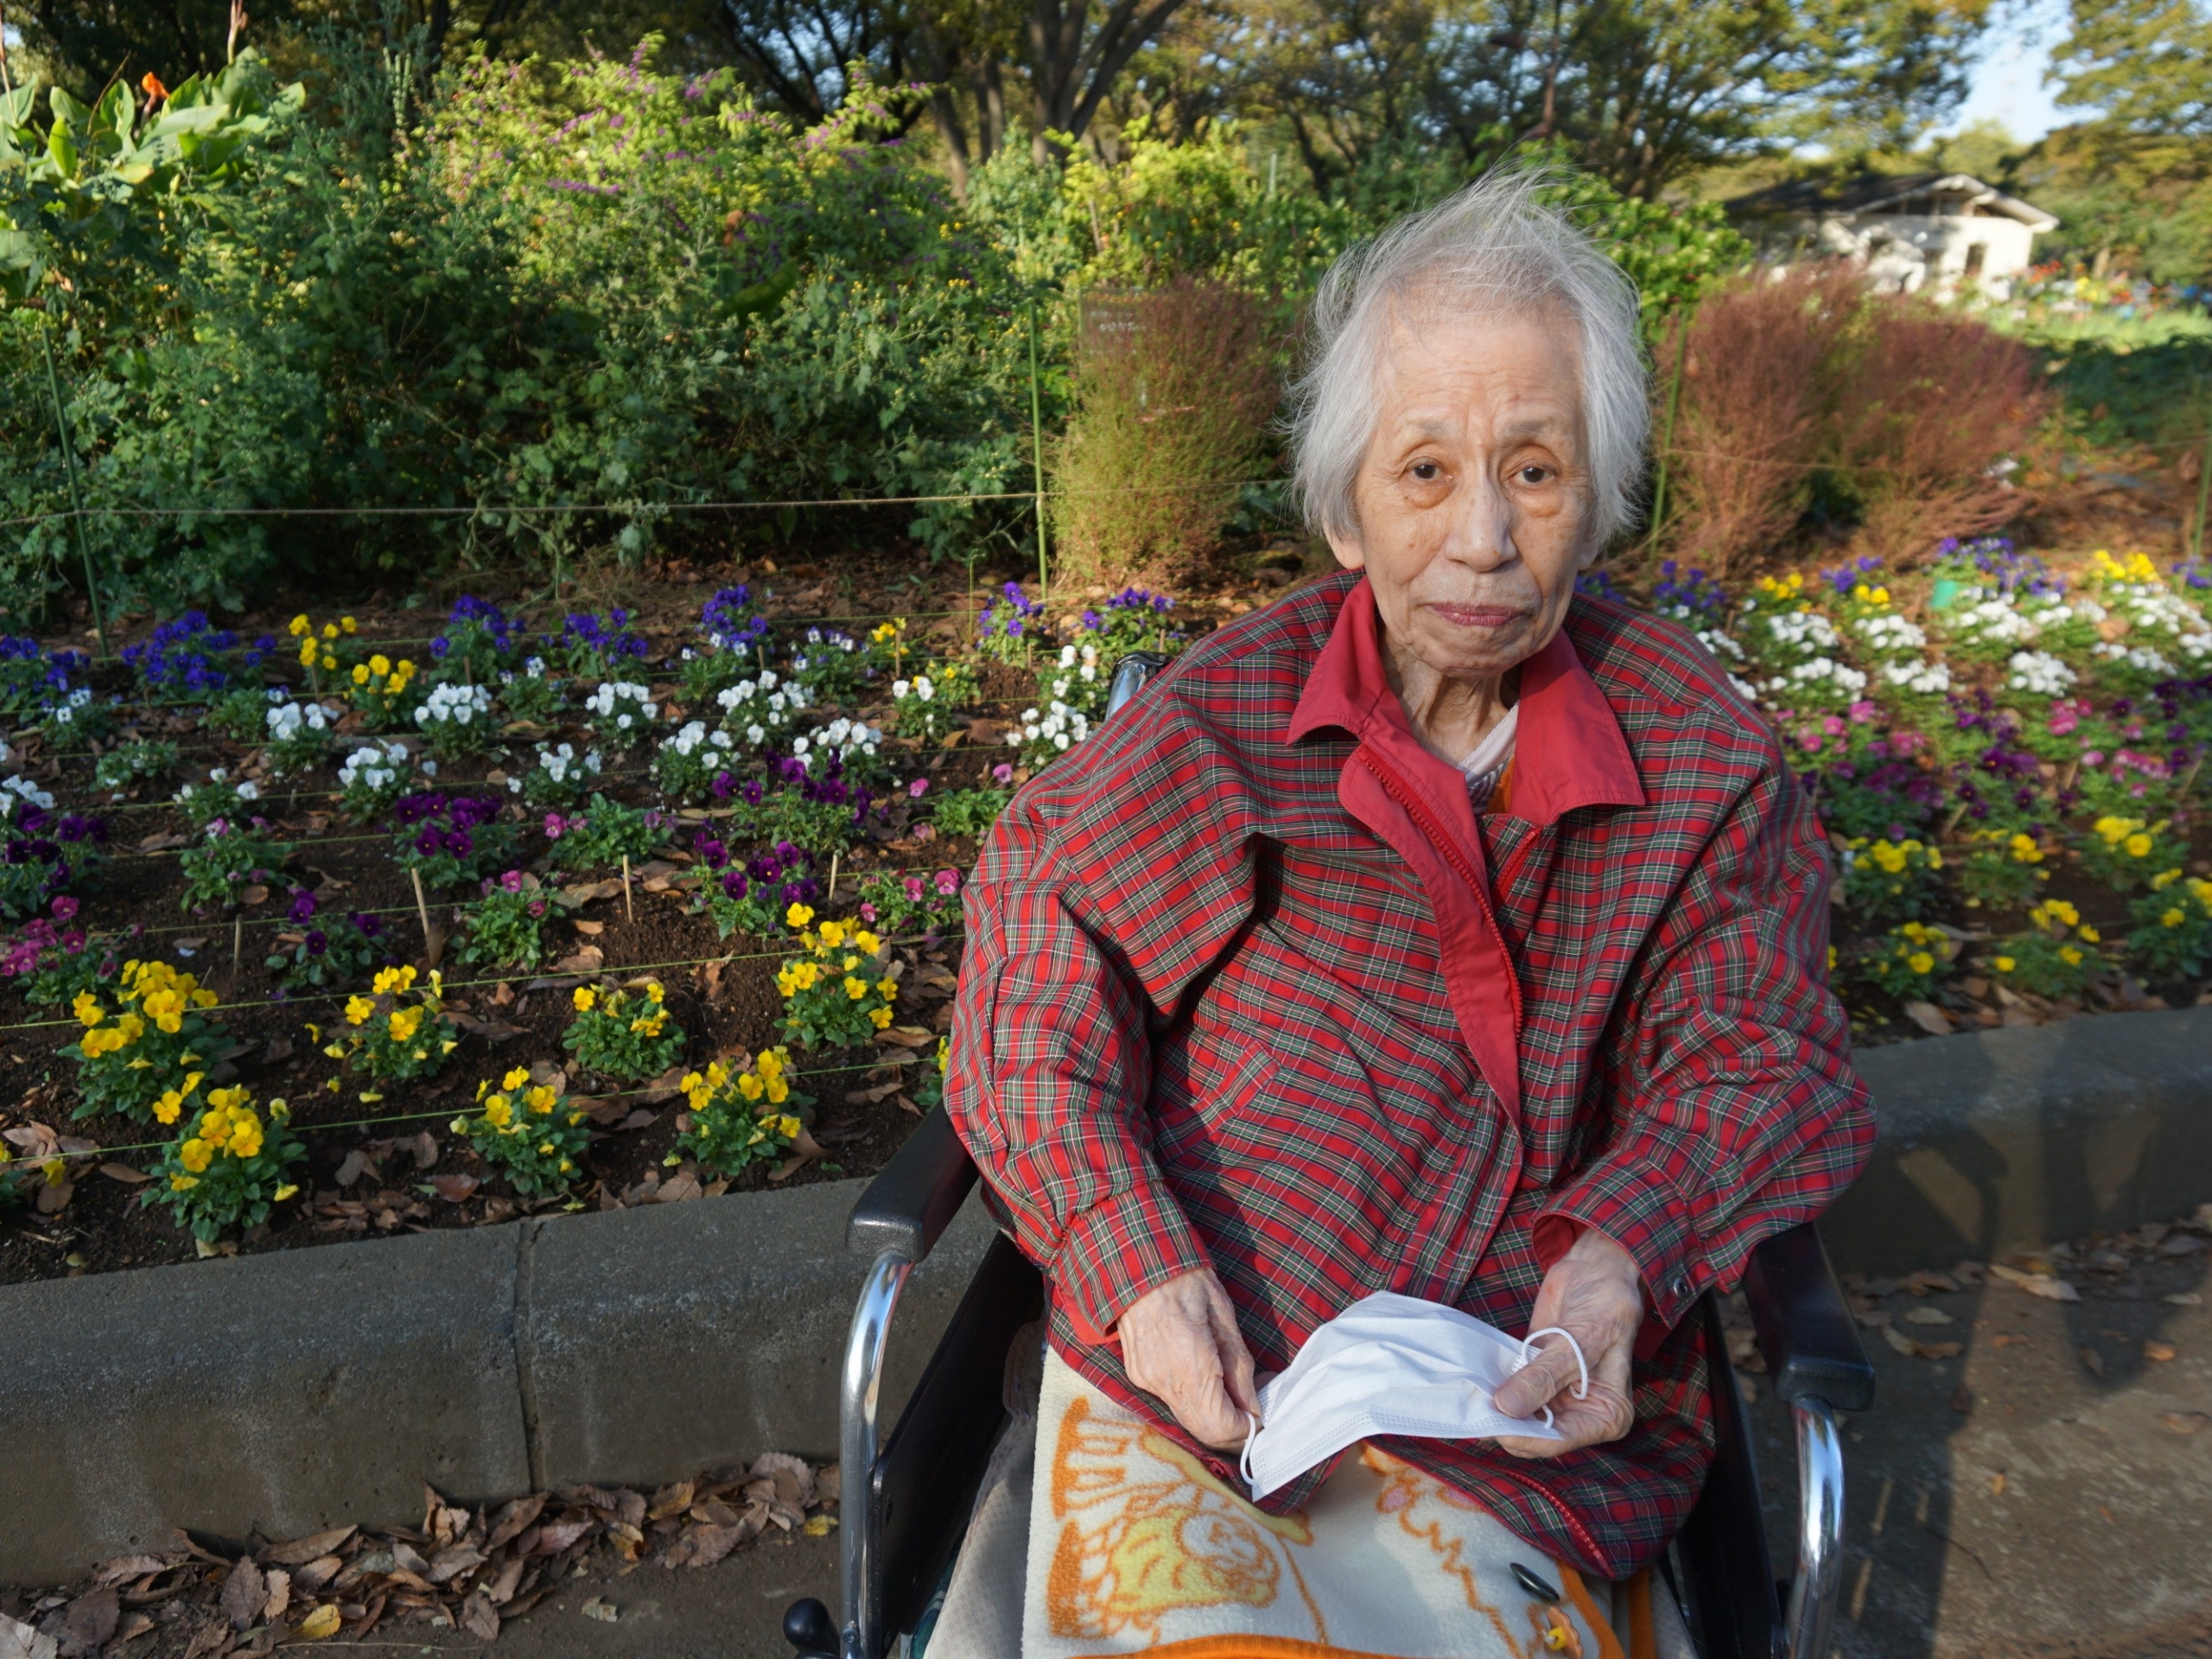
829 1001
1748 432
229 1168
2002 870
736 1117
593 650
2173 926
320 955
1926 407
218 798
478 641
900 905
752 898
602 836
529 693
622 712
500 927
1908 961
560 777
2126 853
48 852
528 1133
456 720
1887 880
624 1035
130 1058
384 691
128 765
373 778
970 811
450 838
299 736
2056 957
226 859
1173 391
398 1033
242 713
930 703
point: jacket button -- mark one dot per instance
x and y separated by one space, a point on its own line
1682 1287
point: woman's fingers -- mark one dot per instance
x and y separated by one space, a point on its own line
1180 1344
1553 1372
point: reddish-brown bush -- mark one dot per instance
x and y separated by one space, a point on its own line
1748 434
1174 389
1925 405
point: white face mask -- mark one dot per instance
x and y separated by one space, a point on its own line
1389 1364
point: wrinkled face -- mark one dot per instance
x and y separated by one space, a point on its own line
1474 497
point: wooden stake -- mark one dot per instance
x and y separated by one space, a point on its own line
627 909
238 947
832 894
421 908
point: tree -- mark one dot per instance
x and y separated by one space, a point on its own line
2145 66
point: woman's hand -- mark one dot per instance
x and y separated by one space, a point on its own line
1180 1343
1594 1291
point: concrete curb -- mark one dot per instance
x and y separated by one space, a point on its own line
279 1394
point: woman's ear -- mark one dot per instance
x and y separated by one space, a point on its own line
1350 554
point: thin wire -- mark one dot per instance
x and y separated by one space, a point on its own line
520 510
557 973
415 1117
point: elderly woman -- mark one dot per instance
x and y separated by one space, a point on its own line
1434 931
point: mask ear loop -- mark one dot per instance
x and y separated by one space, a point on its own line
1528 1350
1244 1459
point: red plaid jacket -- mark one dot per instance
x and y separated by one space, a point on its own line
1250 986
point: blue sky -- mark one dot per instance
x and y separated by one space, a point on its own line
2008 83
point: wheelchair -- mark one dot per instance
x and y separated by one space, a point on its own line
906 1497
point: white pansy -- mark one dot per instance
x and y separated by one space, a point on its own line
288 720
2142 658
21 791
374 766
2039 672
1919 676
455 705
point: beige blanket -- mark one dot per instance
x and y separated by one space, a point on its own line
1130 1544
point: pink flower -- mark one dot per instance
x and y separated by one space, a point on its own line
1003 773
913 885
1864 713
925 832
1832 725
554 826
948 882
918 788
2094 757
867 913
64 908
1811 741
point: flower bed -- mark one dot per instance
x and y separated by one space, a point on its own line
609 909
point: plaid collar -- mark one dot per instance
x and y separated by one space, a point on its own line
1569 751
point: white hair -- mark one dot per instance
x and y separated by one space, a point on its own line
1499 247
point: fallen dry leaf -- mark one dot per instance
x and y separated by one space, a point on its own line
280 1597
22 1642
1997 1485
301 1551
1930 1018
1939 1350
2050 1287
2159 1351
254 894
322 1623
591 929
124 1173
243 1594
2182 1422
90 1620
1927 1316
906 1037
129 1566
478 1617
455 1189
601 1609
2092 1359
804 1151
134 1625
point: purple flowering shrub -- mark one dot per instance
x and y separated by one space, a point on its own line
592 649
450 839
229 855
811 802
1134 619
32 680
897 904
320 952
733 642
500 927
1011 626
478 641
750 896
191 660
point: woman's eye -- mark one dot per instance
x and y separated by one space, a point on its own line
1533 473
1427 471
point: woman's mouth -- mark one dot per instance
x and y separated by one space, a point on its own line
1479 616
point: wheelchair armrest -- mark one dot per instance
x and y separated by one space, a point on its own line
915 1196
1805 1331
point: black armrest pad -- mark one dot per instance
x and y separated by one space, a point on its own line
915 1196
1806 1333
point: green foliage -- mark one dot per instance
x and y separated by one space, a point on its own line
739 1116
223 860
528 1133
137 1058
228 1169
1908 961
128 765
323 954
2056 957
836 995
2127 852
1886 880
2173 927
969 811
604 834
501 928
622 1034
399 1032
2002 870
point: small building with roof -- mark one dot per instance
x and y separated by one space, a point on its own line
1910 230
